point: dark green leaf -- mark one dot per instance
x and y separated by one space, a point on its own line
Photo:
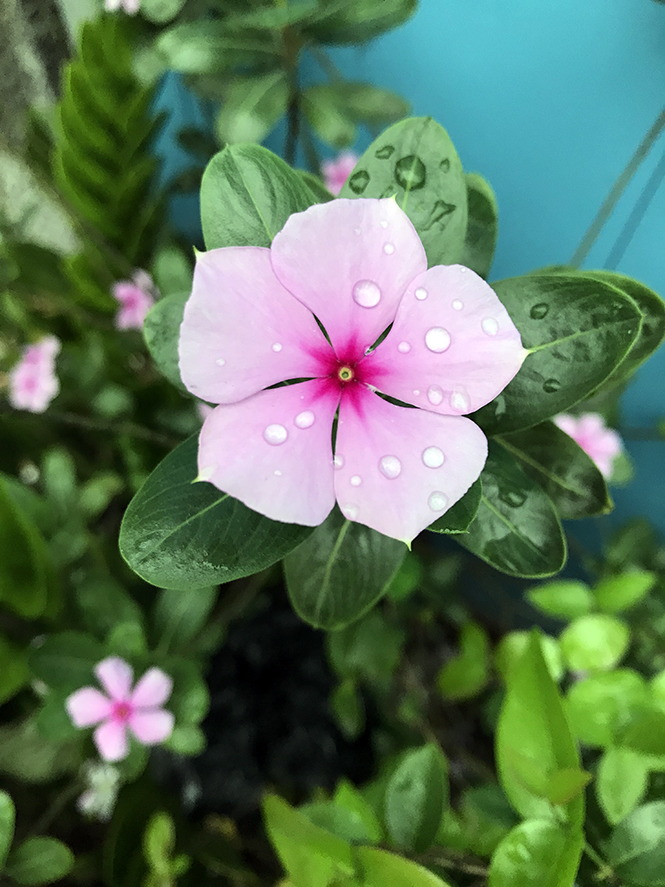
369 104
179 534
459 518
23 560
252 106
104 603
7 815
416 797
577 332
180 615
26 755
340 571
569 477
247 194
161 11
369 649
636 848
415 161
621 782
316 186
161 331
14 672
482 227
40 861
66 660
538 851
356 21
516 529
466 674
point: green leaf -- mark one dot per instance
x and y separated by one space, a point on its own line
340 571
466 674
252 107
161 11
347 796
7 816
103 603
415 161
190 699
459 518
577 332
172 270
369 649
316 186
356 21
209 47
159 843
161 331
646 734
179 534
416 797
26 755
381 868
533 732
328 117
482 227
569 477
40 861
127 640
408 579
538 851
598 706
369 104
621 782
564 599
311 856
513 644
596 642
516 529
247 194
636 848
618 593
348 707
337 820
66 660
180 615
564 785
14 672
23 560
187 740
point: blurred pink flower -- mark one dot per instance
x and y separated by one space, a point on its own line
131 7
32 382
589 431
136 297
139 709
336 172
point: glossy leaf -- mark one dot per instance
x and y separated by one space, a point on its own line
569 477
176 533
600 704
340 571
538 851
416 797
252 107
7 816
596 642
381 868
516 529
459 518
563 599
356 21
466 674
161 331
621 782
618 593
636 848
247 194
40 861
577 332
482 227
416 162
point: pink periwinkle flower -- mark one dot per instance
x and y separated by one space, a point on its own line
32 382
131 7
121 708
600 443
357 266
136 297
336 171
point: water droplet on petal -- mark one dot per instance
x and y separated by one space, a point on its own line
388 249
277 472
350 511
437 339
220 361
435 395
390 467
404 347
359 181
539 311
490 326
410 172
277 346
437 501
275 434
463 269
421 293
459 401
416 391
384 223
457 305
356 480
433 457
304 419
366 293
357 230
338 461
551 385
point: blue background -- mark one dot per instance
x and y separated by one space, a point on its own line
548 100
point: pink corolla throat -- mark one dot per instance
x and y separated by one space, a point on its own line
122 708
354 268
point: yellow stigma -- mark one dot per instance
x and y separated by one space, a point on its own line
345 374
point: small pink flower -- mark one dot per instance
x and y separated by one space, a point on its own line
336 172
357 266
131 7
589 431
136 297
33 383
139 709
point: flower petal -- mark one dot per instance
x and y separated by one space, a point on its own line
116 676
154 688
349 261
242 331
273 451
87 707
453 346
151 726
400 468
111 740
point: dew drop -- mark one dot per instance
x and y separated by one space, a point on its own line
457 305
277 472
416 391
514 498
388 249
410 172
421 293
220 361
385 152
367 294
356 480
357 230
359 181
551 385
459 401
338 461
435 395
490 326
445 164
539 311
440 212
390 467
350 511
384 223
275 434
433 457
304 419
277 346
404 347
437 501
437 339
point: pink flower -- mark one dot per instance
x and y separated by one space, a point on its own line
139 709
336 172
251 322
33 383
131 7
600 443
136 297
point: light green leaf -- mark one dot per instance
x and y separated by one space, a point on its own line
159 843
348 707
482 227
416 797
369 104
596 642
512 645
598 706
171 270
252 107
458 519
466 674
180 615
7 816
646 734
328 117
564 785
347 796
538 851
618 593
636 848
127 640
563 599
187 740
161 11
208 47
161 331
40 861
26 755
381 868
621 782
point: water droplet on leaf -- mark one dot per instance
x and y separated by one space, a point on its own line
275 434
359 181
437 339
551 385
514 498
540 310
445 164
385 152
410 172
433 457
366 293
390 467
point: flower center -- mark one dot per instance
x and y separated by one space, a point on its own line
122 711
345 374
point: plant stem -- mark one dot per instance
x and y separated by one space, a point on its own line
617 190
326 64
605 871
